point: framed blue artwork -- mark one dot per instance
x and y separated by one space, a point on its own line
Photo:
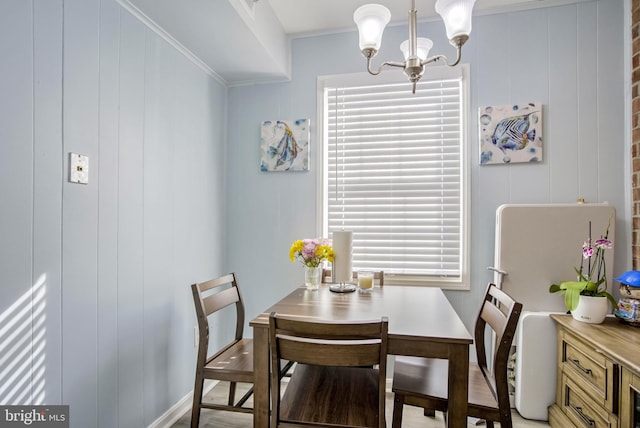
284 145
510 133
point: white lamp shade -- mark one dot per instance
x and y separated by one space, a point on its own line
371 20
456 15
423 47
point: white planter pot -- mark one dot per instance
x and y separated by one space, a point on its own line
591 309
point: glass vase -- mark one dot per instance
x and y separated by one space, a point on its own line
312 277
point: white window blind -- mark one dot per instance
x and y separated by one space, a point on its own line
394 176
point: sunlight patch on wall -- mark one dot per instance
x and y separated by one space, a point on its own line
22 348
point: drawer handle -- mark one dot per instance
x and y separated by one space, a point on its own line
578 365
584 417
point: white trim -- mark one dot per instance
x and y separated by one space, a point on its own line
321 153
179 409
252 82
465 173
248 6
153 26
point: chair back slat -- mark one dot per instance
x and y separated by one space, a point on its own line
502 297
494 317
229 278
217 301
328 353
329 329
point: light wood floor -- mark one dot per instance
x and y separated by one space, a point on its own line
412 417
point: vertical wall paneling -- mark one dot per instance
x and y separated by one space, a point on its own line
107 173
159 277
528 60
489 74
16 187
95 310
561 144
80 212
197 198
47 200
131 222
613 150
610 68
588 101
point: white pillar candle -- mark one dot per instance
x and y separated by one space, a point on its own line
342 262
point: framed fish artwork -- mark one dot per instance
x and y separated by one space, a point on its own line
284 145
510 133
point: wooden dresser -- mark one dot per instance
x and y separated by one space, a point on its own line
598 378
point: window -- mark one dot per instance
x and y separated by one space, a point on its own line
394 173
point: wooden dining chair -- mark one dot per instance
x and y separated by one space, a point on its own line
232 362
334 382
377 276
423 382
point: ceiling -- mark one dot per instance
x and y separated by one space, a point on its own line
321 16
247 41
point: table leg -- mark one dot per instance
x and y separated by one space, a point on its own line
261 377
458 385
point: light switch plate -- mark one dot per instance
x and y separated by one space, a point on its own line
78 168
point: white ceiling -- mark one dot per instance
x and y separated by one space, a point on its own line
319 16
247 41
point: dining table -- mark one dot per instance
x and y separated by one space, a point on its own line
422 323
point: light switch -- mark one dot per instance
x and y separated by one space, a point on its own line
78 168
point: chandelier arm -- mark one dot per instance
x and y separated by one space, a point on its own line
389 63
444 58
434 58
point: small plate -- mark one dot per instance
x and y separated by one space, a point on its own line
342 288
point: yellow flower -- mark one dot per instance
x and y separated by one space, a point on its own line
325 252
296 247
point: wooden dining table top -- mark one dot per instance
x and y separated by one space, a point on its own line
413 312
422 323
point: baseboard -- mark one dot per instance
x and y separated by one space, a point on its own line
180 408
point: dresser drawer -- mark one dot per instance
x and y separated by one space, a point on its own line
590 370
557 418
581 409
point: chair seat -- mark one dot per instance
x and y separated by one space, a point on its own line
344 396
429 378
233 364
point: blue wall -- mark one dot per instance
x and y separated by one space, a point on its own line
95 308
570 58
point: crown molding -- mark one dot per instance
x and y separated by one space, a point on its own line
153 26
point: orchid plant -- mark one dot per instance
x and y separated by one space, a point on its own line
592 278
311 252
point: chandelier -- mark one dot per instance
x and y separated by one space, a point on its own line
372 18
